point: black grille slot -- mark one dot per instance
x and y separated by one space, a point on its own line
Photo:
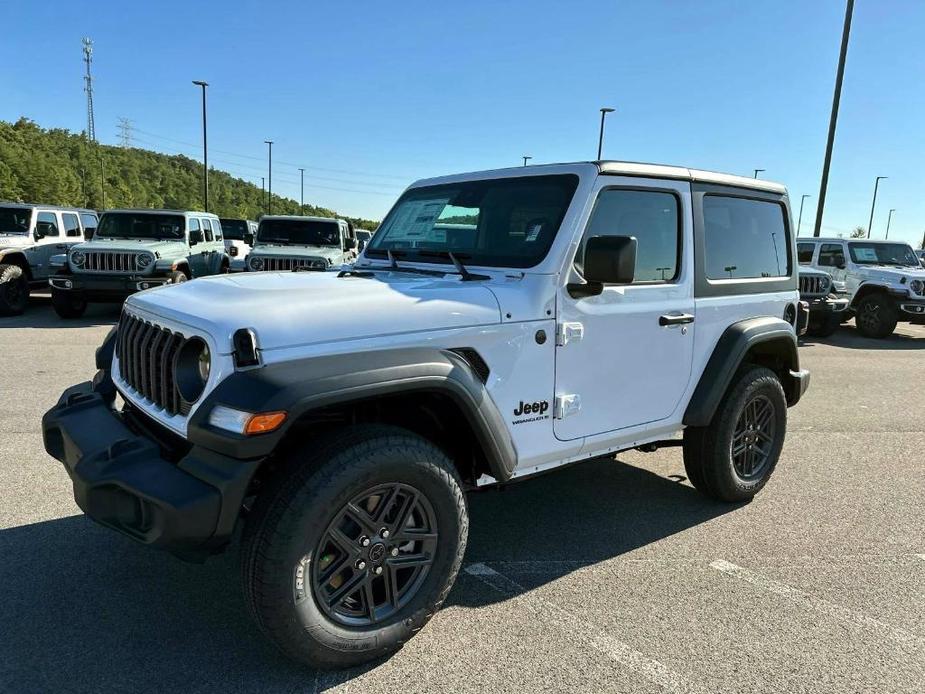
474 359
814 284
146 354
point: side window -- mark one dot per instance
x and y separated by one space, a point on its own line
744 238
207 230
652 217
47 223
89 221
71 224
193 224
831 255
217 228
805 253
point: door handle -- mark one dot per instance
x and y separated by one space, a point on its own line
675 319
61 246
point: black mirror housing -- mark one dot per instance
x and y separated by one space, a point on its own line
610 259
39 234
195 236
249 238
351 244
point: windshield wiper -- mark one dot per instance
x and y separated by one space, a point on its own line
460 268
395 267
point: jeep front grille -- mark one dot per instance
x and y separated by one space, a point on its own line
814 285
109 261
272 264
146 354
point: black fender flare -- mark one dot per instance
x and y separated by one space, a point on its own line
303 385
778 339
17 257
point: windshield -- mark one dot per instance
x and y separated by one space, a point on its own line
883 254
15 220
301 232
141 225
234 229
506 222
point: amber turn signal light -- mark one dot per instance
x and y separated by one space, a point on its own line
264 423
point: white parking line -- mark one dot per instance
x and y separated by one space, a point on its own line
626 655
818 604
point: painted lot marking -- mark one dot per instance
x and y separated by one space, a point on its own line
818 604
626 655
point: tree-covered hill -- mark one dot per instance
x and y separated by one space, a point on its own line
58 167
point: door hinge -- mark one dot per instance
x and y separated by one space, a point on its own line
569 332
566 405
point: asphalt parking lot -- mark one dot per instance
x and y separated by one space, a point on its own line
606 576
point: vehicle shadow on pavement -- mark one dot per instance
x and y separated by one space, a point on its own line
848 337
40 314
86 609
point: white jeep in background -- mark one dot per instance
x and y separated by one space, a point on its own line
883 280
499 324
239 237
290 242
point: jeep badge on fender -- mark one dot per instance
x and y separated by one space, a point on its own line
340 417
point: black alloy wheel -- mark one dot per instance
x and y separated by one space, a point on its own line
753 439
374 556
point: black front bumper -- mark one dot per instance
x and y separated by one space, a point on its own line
124 478
105 287
826 305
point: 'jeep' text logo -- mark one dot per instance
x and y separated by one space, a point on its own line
531 408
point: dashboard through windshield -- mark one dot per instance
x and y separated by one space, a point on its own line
883 254
142 225
299 232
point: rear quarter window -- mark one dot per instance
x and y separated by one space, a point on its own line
744 238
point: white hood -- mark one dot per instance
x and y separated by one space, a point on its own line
15 241
288 309
892 274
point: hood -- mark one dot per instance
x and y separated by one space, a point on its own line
290 251
158 246
892 274
8 241
288 309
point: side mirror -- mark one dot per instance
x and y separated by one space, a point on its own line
840 262
195 236
249 238
39 233
608 260
361 244
350 244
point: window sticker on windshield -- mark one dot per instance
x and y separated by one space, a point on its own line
415 218
533 231
865 255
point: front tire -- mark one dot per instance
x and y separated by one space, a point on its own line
824 325
732 458
876 316
354 545
14 290
177 276
68 304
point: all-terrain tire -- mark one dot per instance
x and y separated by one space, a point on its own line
708 451
14 290
876 316
290 518
177 276
68 304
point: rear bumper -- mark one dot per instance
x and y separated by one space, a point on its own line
105 287
123 480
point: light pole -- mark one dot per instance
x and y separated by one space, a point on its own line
833 119
205 148
269 144
888 220
758 171
301 191
526 158
873 204
263 193
600 137
800 221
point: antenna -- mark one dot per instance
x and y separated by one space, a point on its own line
125 132
88 87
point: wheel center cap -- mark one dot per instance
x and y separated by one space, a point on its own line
377 552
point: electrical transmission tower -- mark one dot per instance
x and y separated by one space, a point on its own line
88 88
125 132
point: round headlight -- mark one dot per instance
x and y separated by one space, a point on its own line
194 362
78 258
917 286
144 260
256 263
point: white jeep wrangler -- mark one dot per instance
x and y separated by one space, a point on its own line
883 280
290 242
499 324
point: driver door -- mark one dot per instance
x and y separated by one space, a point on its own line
52 243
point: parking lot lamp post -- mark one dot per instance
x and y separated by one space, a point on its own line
758 171
269 144
873 204
600 137
301 191
888 220
800 220
263 193
205 148
526 159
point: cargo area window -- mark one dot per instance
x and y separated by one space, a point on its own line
744 238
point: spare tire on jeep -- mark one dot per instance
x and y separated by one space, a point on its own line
14 290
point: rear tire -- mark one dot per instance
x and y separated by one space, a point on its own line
14 290
303 544
68 304
732 458
876 316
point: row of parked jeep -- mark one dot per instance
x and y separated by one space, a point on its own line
87 258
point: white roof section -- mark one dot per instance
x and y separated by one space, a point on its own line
147 210
616 168
838 239
303 218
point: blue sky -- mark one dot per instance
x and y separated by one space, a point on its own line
370 96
